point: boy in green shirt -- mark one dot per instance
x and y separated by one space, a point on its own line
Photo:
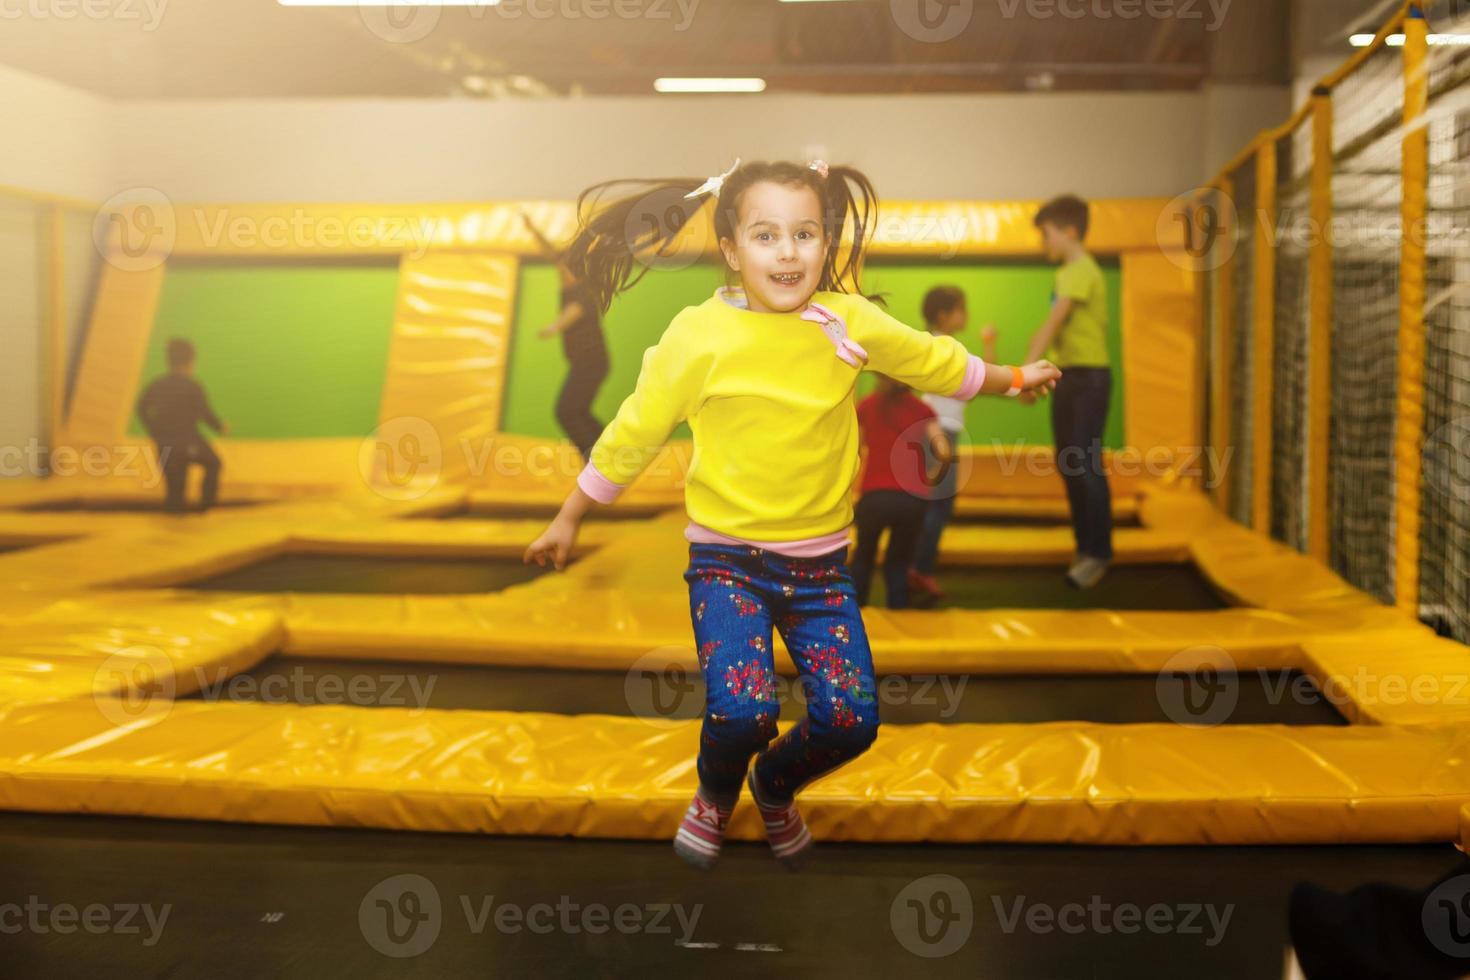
1077 328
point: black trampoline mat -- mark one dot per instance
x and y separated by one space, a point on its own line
669 691
1029 520
545 512
123 505
1161 587
247 901
372 575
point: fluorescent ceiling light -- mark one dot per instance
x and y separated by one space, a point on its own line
388 3
709 84
1397 40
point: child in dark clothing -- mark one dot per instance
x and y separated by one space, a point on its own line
580 329
897 430
171 409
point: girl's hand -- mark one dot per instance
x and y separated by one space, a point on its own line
1039 378
547 332
988 333
555 543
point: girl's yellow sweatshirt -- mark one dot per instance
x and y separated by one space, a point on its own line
769 398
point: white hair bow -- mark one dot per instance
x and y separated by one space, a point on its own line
713 185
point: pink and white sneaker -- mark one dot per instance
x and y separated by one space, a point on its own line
702 831
790 841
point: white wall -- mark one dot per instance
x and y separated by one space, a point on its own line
1237 114
914 147
56 139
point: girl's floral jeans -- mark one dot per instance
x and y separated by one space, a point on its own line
737 596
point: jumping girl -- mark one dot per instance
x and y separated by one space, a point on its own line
764 374
580 329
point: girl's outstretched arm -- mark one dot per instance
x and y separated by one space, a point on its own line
939 364
667 389
560 536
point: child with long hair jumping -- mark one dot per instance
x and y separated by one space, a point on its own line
765 376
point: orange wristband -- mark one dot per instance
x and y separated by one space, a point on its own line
1018 381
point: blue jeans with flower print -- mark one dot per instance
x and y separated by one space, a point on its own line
737 595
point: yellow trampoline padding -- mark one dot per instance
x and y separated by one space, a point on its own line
446 367
86 647
597 776
1161 361
112 359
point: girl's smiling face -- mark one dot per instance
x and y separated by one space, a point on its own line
779 246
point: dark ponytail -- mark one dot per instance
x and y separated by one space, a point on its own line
626 225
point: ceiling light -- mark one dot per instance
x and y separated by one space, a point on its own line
709 84
388 3
1397 40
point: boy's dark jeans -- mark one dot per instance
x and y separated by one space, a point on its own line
1079 413
176 460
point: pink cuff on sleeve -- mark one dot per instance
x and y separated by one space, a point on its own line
974 378
597 486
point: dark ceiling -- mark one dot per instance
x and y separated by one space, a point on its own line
256 48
